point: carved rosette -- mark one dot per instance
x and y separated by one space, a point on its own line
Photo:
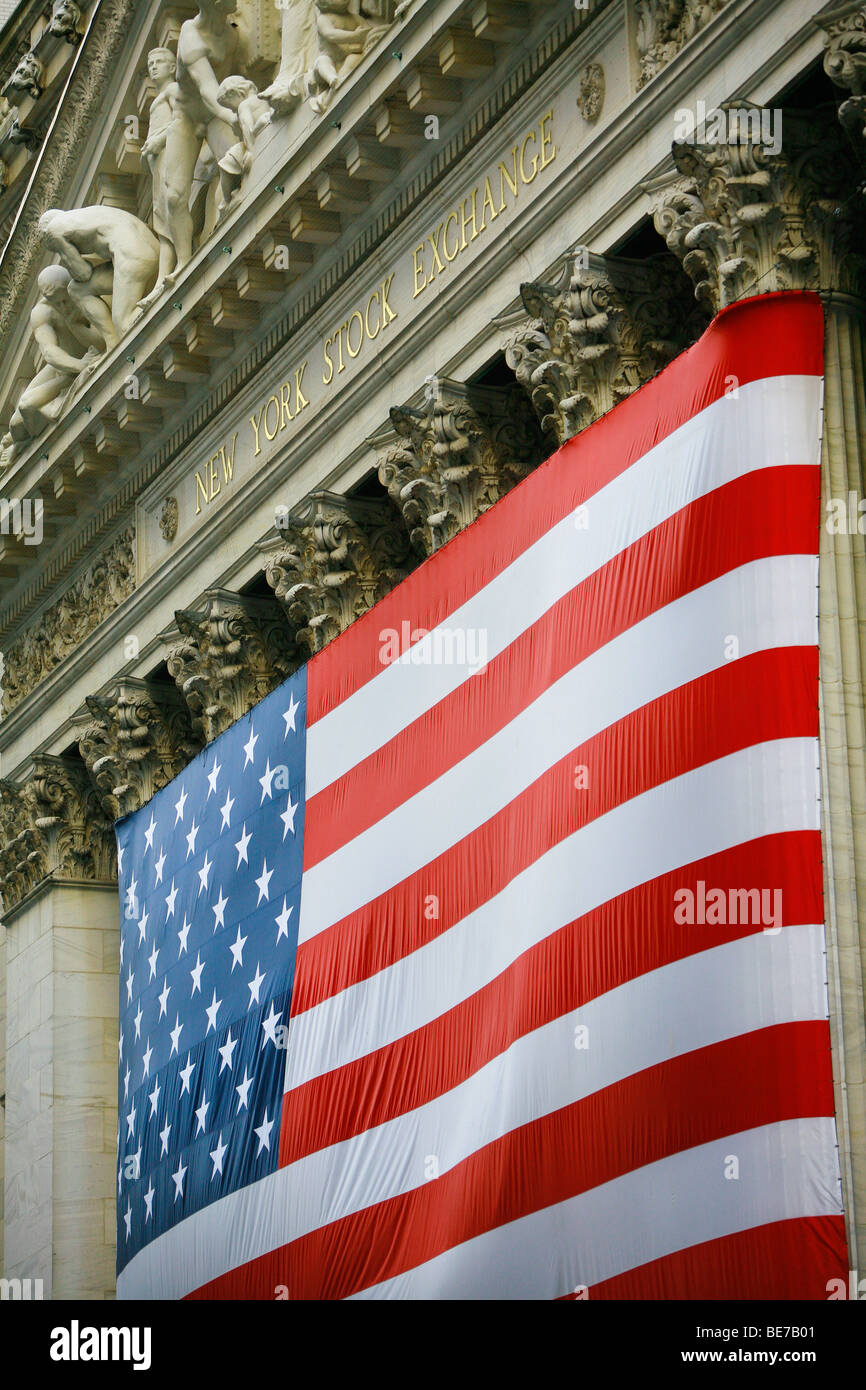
53 826
227 656
845 64
447 463
746 221
107 581
339 557
140 739
597 336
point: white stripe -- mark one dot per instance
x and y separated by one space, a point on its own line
771 423
766 603
762 790
678 1202
752 983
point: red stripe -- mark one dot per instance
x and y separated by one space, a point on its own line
617 942
768 695
760 1078
771 512
767 336
785 1260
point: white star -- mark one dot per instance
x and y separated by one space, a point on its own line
243 1091
289 716
120 1046
179 805
159 866
288 817
226 810
146 1060
219 908
119 1180
265 782
217 1156
151 960
121 945
254 986
163 1138
137 1022
190 839
177 1179
196 973
212 1009
154 1097
182 936
126 1083
186 1074
130 1122
142 927
264 1134
163 998
269 1025
127 1217
226 1051
148 1201
120 854
250 746
241 846
263 880
201 1114
148 834
283 921
129 979
203 873
237 949
175 1034
169 902
130 895
212 778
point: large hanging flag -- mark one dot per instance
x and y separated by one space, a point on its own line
485 957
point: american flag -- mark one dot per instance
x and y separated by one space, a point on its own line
485 957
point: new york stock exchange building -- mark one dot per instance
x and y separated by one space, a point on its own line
295 301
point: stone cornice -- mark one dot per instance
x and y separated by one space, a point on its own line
103 397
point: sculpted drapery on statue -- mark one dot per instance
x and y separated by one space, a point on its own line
322 43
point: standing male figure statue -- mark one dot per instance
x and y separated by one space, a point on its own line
107 251
161 64
207 51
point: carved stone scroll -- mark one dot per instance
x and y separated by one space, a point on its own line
227 656
340 556
140 738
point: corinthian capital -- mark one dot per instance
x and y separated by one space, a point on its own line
53 826
227 656
140 738
845 62
747 217
596 334
339 556
446 463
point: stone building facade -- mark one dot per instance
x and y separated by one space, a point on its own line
331 279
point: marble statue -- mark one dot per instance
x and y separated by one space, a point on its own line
65 17
27 77
60 331
343 38
298 49
161 64
253 113
108 253
208 49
